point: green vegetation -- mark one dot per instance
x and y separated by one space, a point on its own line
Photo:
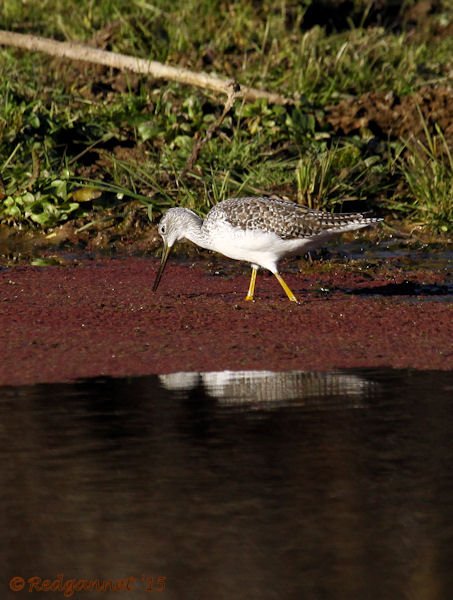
67 127
428 170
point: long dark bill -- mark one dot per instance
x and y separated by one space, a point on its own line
163 262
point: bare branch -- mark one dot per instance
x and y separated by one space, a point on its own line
75 51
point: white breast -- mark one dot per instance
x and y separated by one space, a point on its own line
257 247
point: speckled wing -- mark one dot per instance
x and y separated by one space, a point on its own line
283 217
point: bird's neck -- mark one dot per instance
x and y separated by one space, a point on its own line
194 232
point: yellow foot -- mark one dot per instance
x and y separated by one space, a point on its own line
285 286
251 291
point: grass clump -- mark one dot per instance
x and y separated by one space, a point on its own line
334 174
427 167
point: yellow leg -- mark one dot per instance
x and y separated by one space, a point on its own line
251 291
284 285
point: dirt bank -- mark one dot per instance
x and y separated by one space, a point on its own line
100 317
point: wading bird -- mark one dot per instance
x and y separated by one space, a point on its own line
258 230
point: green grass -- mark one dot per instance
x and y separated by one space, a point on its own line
66 127
427 167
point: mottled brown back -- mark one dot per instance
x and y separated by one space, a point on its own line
283 217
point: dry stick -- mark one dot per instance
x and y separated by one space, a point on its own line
153 68
36 169
234 91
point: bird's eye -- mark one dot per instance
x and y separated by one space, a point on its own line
162 229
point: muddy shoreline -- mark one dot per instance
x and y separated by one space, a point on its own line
99 317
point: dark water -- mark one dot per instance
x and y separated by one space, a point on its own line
252 485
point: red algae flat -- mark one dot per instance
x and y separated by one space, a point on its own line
100 318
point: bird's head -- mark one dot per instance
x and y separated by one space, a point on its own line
172 227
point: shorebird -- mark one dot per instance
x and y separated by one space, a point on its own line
259 230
